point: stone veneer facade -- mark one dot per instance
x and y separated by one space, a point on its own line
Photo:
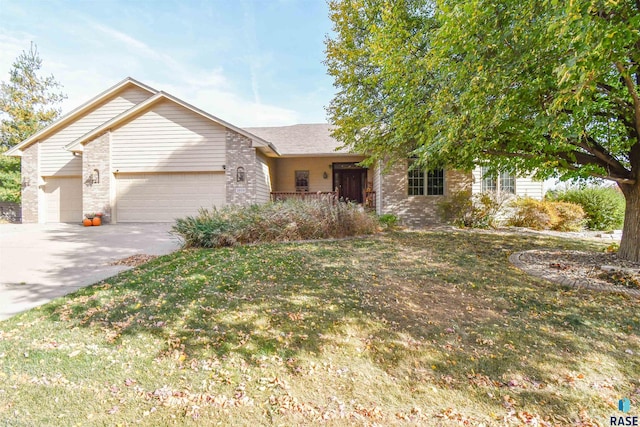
239 153
96 196
391 187
417 211
30 175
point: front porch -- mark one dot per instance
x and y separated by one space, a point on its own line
326 178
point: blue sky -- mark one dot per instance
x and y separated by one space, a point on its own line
250 62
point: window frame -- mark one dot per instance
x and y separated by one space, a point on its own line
422 183
301 181
495 182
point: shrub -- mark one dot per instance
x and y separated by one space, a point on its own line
569 216
277 221
603 206
466 210
531 213
388 221
546 215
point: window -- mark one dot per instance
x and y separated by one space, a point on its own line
302 180
415 180
418 181
435 182
506 182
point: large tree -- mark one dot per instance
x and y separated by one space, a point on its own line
542 86
28 102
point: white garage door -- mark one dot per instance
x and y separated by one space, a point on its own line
165 197
63 199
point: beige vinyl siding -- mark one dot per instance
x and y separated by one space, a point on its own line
286 169
168 138
55 160
264 166
525 186
476 187
164 197
63 199
529 187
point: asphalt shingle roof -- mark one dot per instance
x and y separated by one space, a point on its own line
303 139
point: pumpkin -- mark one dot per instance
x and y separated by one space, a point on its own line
96 220
87 222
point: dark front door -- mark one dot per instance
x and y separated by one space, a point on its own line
350 184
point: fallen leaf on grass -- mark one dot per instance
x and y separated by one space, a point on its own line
134 260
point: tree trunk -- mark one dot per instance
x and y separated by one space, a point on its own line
630 243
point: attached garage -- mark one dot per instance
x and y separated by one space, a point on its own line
63 199
164 197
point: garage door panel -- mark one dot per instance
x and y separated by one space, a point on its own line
63 199
164 197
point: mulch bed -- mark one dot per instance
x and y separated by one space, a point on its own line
590 270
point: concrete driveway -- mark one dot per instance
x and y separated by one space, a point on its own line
40 262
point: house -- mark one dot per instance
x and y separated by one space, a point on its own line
138 154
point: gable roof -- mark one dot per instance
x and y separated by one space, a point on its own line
160 96
76 113
302 140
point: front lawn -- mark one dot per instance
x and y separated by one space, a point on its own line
433 328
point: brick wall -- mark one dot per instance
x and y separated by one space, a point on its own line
239 153
30 192
416 211
95 195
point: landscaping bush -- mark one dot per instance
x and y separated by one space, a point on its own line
277 221
531 213
388 221
569 216
466 210
603 206
546 215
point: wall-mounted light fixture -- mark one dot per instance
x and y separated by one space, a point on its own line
240 174
26 182
95 176
325 175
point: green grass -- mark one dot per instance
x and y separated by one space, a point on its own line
432 328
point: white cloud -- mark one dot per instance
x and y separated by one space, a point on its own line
86 71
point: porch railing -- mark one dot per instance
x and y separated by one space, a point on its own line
304 195
332 196
370 200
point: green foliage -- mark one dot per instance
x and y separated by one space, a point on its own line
604 206
27 104
457 81
546 215
9 178
279 221
544 87
27 101
464 210
388 221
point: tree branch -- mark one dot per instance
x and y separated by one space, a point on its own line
569 163
633 92
610 92
587 159
592 146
